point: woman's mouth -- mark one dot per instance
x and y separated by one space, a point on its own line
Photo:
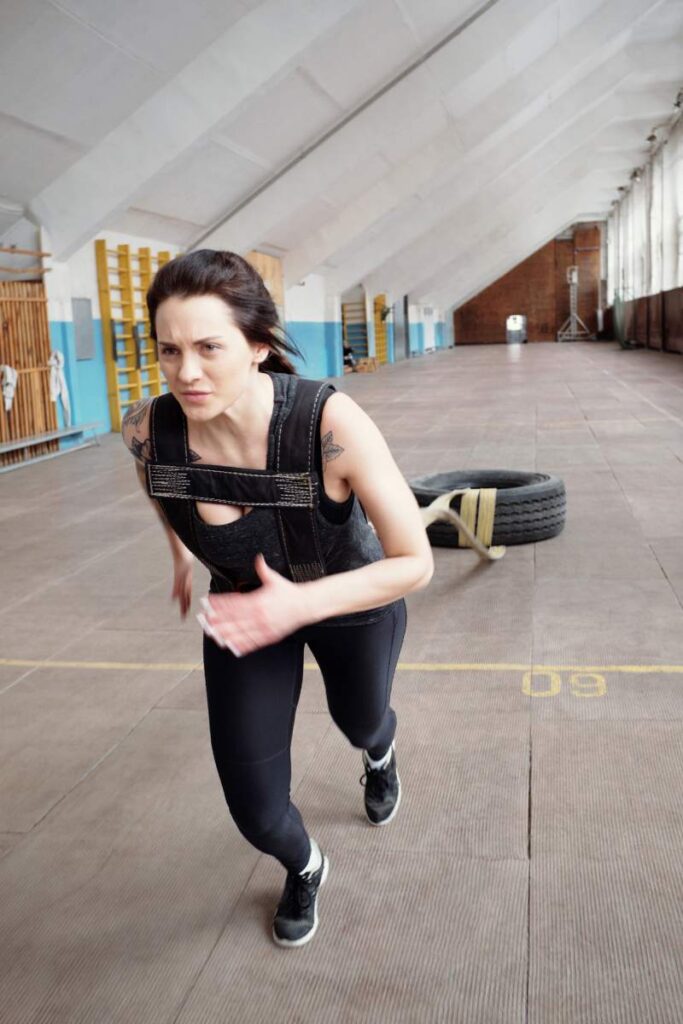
195 396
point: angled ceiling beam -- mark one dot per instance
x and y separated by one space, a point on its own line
214 237
357 225
568 156
107 178
477 270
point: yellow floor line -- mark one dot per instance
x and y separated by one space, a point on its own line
425 666
150 666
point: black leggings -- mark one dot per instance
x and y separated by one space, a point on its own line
252 701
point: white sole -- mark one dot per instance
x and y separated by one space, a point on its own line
378 824
294 943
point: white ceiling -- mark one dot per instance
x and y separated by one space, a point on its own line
421 146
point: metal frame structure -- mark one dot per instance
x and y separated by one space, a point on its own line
574 329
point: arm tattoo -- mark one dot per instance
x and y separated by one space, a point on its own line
136 413
330 449
141 449
192 455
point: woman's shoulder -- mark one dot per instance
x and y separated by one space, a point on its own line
341 412
135 430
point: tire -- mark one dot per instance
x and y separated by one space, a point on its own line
529 506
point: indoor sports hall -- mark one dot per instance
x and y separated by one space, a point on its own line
467 218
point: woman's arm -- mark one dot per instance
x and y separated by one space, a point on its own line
355 451
135 433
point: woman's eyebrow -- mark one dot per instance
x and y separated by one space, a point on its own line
215 337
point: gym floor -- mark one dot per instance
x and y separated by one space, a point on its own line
532 872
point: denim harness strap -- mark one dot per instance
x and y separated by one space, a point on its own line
291 488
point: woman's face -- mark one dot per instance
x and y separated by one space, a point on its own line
203 355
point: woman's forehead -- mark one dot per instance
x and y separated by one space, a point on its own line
207 314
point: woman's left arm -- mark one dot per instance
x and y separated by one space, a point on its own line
355 451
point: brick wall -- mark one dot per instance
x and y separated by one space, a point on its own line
538 289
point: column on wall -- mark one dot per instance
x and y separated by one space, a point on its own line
313 321
416 329
60 322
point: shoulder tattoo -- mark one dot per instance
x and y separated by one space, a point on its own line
136 413
192 455
330 450
142 450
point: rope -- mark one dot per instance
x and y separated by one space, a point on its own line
473 500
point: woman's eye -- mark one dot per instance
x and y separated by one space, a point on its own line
171 351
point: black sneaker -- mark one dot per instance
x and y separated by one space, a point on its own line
296 918
382 790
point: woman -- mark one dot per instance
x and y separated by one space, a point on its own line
292 556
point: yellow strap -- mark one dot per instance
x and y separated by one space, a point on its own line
487 512
468 514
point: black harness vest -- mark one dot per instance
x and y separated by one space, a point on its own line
291 488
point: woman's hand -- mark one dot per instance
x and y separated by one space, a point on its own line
246 622
182 581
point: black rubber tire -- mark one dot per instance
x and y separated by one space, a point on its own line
529 506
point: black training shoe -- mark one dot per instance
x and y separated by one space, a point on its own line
382 790
296 918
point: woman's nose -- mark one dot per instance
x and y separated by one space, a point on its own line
189 369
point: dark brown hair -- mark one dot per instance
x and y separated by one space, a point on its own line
233 279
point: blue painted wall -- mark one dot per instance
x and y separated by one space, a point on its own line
390 341
321 345
417 340
439 334
86 380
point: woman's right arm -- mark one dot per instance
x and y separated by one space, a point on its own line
136 437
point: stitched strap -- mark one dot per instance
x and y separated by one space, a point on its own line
226 486
292 488
168 429
294 450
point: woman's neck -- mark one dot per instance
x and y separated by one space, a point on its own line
244 423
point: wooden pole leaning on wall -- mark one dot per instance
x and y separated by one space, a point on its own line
23 252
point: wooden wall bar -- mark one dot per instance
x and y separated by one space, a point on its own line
25 345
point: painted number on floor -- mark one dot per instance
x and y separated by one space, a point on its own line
549 684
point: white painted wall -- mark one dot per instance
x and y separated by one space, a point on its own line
307 301
428 319
448 332
77 276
